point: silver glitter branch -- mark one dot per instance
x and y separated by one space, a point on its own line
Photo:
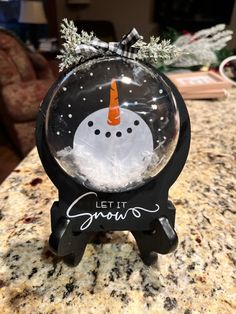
201 47
68 54
157 52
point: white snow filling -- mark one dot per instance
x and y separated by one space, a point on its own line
104 174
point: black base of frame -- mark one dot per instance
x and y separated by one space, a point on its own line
70 245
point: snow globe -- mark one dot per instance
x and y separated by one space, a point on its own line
113 135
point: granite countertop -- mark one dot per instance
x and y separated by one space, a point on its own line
199 277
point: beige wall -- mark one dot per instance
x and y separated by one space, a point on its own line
124 14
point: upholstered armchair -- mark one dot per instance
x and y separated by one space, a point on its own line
24 80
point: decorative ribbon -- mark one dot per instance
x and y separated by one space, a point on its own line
123 48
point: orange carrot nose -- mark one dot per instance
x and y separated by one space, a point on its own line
114 109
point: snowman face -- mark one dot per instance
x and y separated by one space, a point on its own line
112 157
112 124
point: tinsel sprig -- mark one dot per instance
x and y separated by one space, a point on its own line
72 39
157 51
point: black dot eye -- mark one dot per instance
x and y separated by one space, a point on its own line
90 123
118 134
129 130
136 122
97 132
108 134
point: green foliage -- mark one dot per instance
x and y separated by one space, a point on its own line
170 34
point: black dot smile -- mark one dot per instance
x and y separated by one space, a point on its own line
118 133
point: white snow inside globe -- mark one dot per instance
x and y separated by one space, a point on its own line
112 124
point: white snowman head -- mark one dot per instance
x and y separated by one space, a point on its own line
112 147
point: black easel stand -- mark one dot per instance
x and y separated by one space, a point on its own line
152 225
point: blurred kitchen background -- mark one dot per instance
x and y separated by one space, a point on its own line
29 43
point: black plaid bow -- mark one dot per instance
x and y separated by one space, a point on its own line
123 48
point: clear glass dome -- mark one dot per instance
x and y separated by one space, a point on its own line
112 124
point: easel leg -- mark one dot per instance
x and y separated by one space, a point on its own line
162 239
148 257
80 243
65 243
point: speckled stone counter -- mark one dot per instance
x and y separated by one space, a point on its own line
199 277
